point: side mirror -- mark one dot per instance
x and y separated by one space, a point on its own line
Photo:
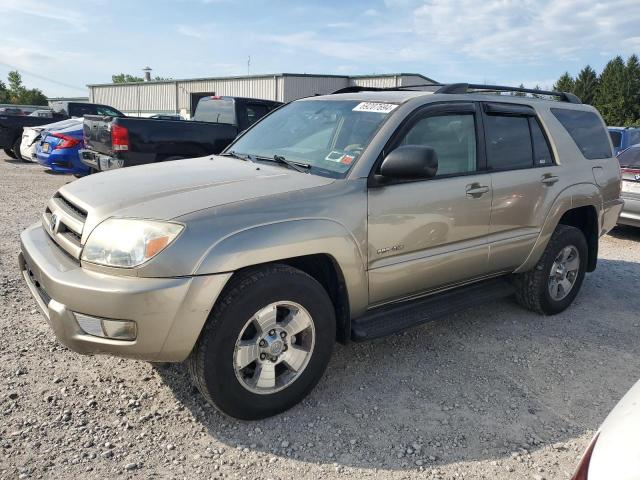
410 162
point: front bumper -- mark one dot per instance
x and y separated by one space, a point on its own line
630 214
169 312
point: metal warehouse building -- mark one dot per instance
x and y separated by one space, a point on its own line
180 96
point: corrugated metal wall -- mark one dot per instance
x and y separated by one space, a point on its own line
174 96
305 86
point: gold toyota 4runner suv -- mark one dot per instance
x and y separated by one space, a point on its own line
339 217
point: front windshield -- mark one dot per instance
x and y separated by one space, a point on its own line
327 135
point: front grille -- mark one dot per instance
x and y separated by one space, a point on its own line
64 221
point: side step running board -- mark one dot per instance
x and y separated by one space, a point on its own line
394 318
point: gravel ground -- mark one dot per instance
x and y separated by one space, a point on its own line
493 393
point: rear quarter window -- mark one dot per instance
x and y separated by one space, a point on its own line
586 130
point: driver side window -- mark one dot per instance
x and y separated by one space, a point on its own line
453 137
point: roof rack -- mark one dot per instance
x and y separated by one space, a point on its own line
460 88
464 88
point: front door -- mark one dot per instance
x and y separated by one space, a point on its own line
432 233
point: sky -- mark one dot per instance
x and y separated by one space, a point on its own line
60 46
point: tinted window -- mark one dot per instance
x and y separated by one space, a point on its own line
587 132
630 157
508 142
453 137
255 112
107 111
616 138
541 151
216 111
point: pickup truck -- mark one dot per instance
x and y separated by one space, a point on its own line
340 217
11 126
124 142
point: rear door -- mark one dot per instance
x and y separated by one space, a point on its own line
524 177
432 233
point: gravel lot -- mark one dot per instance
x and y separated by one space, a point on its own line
493 393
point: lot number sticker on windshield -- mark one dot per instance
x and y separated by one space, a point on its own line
374 107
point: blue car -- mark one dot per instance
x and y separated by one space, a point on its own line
58 150
622 138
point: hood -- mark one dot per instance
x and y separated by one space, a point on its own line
164 191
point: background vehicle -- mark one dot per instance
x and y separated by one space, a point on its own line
11 127
348 216
614 451
11 111
58 150
31 136
124 142
623 137
630 164
42 113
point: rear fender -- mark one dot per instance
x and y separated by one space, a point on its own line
575 196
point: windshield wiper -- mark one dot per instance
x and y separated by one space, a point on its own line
241 156
300 167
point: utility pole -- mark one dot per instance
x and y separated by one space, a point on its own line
248 64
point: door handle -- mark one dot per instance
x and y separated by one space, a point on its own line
549 179
476 190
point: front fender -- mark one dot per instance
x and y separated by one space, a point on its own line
289 239
575 196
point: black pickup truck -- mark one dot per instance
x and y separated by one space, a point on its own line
11 125
124 142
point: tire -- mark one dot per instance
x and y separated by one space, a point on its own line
213 363
9 152
16 150
534 288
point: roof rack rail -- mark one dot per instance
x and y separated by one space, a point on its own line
358 88
454 88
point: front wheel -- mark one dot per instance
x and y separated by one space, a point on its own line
557 277
266 344
9 152
16 150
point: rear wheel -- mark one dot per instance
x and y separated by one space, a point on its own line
557 277
266 344
9 152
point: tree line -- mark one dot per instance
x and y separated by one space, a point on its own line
615 92
14 92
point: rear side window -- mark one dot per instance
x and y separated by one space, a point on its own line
255 112
541 152
587 132
616 138
509 145
634 137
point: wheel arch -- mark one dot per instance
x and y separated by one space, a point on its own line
319 247
578 206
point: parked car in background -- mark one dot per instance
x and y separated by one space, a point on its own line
630 165
166 116
31 136
11 111
42 113
112 142
623 137
614 451
339 217
58 150
11 126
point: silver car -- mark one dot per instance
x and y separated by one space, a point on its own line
630 164
340 217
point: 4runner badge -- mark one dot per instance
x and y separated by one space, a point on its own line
53 223
395 248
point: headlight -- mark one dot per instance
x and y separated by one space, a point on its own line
122 242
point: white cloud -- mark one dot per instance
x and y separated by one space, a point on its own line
72 18
199 32
372 12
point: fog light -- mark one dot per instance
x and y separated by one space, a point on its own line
101 327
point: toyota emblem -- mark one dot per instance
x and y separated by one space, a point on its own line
53 223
